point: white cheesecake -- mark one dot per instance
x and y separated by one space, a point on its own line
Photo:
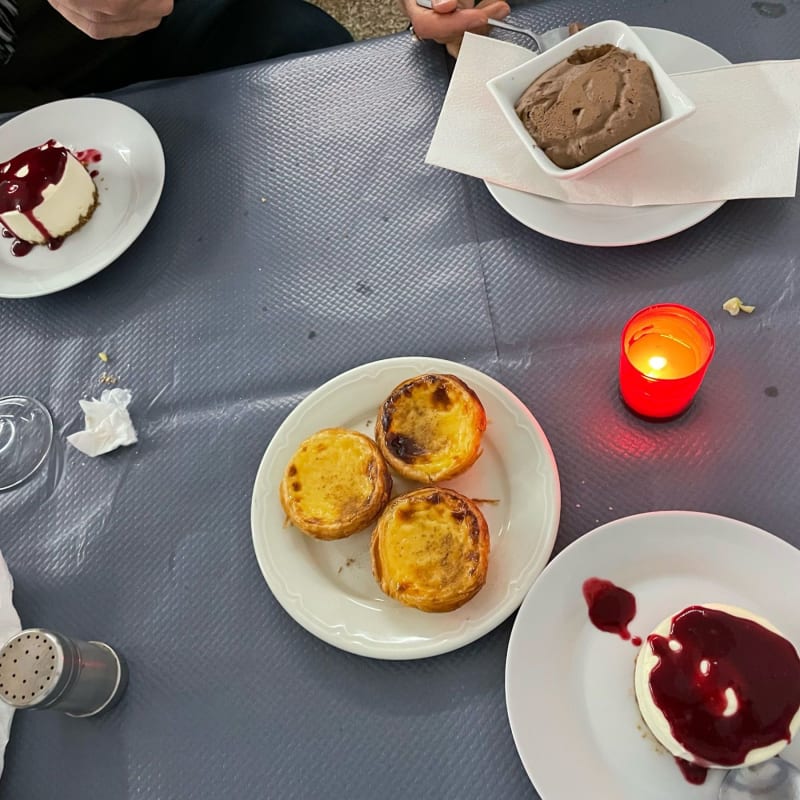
719 686
45 194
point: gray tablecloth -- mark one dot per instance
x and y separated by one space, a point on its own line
228 310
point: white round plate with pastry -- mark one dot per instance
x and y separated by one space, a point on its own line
570 686
129 180
328 586
614 226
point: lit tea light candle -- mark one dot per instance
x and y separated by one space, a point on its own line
665 352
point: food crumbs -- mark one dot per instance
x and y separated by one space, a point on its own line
349 562
103 356
735 305
485 500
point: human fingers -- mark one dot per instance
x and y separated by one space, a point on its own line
494 9
410 7
117 10
105 30
443 28
99 25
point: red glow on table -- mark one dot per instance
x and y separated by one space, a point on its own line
665 352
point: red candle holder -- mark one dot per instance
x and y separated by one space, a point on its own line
665 352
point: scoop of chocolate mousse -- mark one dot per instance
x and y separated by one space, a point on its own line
584 105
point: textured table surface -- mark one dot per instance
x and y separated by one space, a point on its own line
229 309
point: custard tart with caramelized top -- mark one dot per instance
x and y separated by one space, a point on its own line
430 428
430 549
335 484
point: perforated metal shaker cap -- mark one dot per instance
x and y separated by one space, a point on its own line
42 669
32 669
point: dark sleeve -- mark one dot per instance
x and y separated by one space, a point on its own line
51 57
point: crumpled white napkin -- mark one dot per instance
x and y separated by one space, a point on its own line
108 424
9 626
741 142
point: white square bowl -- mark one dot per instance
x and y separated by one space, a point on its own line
508 88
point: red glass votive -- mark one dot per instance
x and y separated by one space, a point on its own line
665 352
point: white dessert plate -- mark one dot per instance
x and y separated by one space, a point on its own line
569 686
614 226
328 587
129 183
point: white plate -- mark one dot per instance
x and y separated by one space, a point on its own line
612 226
328 587
129 183
569 686
9 626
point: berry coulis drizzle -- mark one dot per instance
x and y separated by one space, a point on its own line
611 608
693 773
744 699
691 685
89 156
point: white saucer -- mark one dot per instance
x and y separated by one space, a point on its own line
611 226
569 686
328 588
129 182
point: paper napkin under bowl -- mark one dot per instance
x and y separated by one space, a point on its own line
741 142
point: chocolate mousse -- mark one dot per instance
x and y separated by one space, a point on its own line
594 99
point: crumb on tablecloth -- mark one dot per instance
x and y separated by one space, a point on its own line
735 305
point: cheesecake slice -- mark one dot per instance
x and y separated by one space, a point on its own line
45 194
719 686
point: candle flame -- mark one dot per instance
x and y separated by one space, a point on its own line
657 362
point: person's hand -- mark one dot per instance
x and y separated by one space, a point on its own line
110 19
449 20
